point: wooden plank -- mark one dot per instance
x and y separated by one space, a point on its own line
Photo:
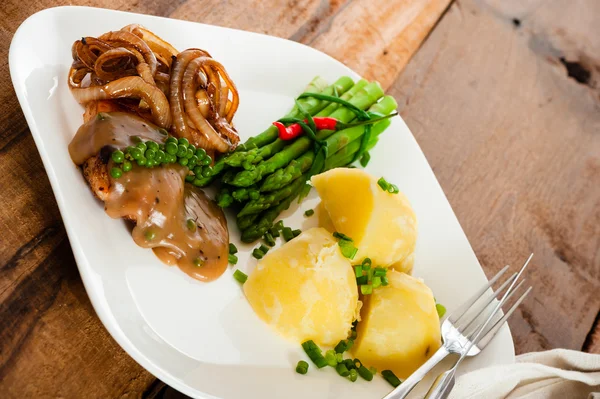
514 143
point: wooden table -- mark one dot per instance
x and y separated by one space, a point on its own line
503 97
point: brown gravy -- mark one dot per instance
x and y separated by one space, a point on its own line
177 220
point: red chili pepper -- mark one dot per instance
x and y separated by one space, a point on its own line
322 123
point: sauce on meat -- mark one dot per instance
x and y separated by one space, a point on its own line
178 221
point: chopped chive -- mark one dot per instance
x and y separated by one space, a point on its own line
240 276
342 370
309 213
366 262
376 282
339 357
384 281
279 225
287 234
353 334
263 248
296 232
314 353
349 344
258 254
383 184
302 367
342 236
232 248
340 347
274 232
441 309
370 274
232 259
390 377
358 271
362 280
349 364
365 373
348 249
357 363
393 189
330 358
353 376
380 272
366 289
269 240
373 370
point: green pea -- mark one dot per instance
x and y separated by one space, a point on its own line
181 151
207 171
152 145
192 147
150 153
200 153
172 158
198 170
161 147
183 161
192 161
150 163
184 142
160 156
189 178
190 153
118 156
141 161
149 235
206 160
127 166
116 172
171 139
136 153
171 148
142 146
197 182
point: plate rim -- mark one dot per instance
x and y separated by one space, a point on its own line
103 311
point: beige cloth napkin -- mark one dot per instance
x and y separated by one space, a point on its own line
555 374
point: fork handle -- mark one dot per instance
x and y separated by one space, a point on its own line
407 385
442 385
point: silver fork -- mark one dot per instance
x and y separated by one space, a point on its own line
463 333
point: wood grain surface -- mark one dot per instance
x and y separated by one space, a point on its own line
503 97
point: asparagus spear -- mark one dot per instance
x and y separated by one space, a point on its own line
266 201
247 221
263 222
312 105
363 99
297 167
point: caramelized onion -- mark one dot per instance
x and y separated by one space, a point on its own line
133 42
162 50
131 86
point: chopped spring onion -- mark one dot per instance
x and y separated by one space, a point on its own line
269 240
358 270
302 367
232 259
353 375
274 232
296 232
390 377
365 373
342 236
379 271
232 248
330 358
441 309
376 282
309 213
342 370
340 347
279 225
287 234
263 248
366 263
314 353
384 281
393 189
349 364
373 370
383 184
339 357
348 249
362 280
257 253
240 276
366 289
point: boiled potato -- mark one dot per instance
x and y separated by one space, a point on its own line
305 289
382 225
400 327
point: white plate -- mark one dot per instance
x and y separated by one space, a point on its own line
203 339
